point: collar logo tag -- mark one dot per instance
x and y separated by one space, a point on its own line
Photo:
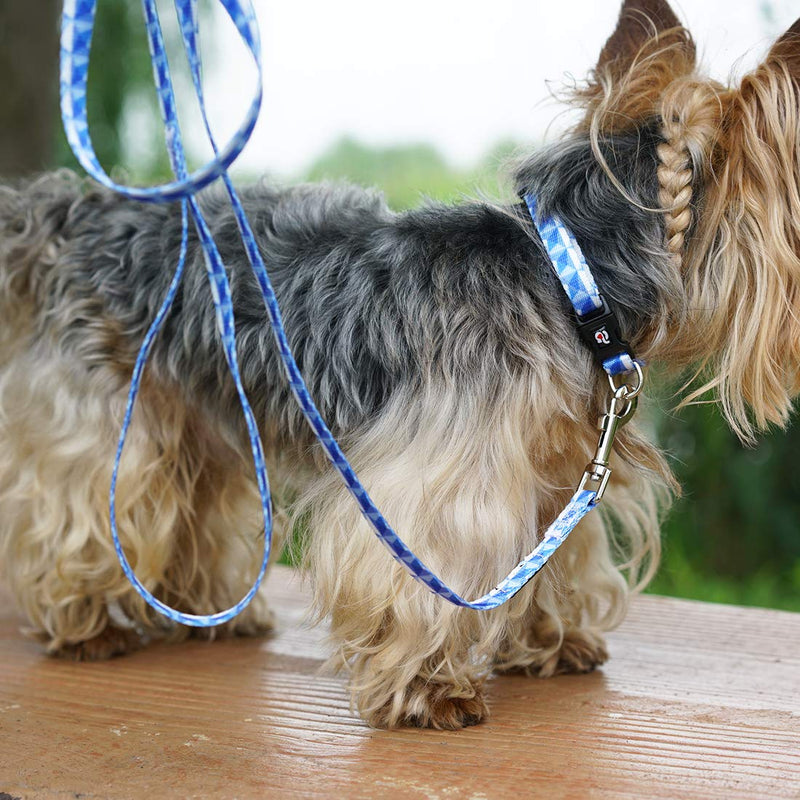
602 337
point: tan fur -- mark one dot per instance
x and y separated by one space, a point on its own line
193 542
690 110
742 269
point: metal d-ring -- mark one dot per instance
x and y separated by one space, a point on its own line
633 391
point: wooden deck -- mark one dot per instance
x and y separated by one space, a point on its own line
697 701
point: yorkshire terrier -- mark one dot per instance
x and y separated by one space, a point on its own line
442 352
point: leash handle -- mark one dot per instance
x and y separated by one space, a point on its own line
76 36
78 22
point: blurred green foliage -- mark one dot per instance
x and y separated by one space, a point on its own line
408 174
734 536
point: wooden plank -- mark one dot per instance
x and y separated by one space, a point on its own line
697 701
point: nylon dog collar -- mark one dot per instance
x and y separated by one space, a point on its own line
595 320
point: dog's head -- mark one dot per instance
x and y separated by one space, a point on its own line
728 167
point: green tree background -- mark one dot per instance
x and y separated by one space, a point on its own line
733 537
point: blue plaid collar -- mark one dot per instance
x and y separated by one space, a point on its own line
596 322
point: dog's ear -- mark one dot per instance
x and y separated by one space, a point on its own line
640 22
787 51
647 51
769 96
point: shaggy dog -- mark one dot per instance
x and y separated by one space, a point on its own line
442 352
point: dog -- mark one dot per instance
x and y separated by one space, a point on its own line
440 349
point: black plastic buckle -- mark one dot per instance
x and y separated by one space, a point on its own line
601 332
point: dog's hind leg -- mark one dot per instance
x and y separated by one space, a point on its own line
186 508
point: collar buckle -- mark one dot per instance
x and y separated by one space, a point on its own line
600 330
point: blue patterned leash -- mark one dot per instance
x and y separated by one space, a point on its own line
76 37
77 25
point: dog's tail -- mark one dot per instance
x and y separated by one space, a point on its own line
32 220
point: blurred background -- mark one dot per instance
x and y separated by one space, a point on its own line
428 98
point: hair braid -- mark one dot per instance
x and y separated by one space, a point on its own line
675 194
690 113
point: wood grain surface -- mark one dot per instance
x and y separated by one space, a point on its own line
697 701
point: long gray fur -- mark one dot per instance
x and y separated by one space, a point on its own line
372 300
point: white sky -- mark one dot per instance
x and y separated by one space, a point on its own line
457 73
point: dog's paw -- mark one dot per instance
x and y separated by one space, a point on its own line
433 705
111 642
579 652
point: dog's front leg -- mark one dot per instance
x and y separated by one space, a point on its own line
577 596
584 590
464 498
412 657
416 668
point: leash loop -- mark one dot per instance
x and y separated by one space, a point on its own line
77 25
